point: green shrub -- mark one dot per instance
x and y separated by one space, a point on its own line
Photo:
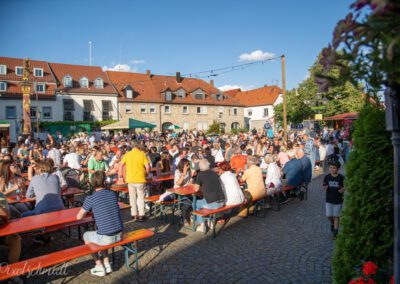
367 219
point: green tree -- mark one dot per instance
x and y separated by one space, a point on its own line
302 103
214 128
367 219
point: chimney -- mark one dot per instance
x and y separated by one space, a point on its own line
212 82
148 74
178 77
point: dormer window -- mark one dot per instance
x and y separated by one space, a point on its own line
67 81
19 70
38 72
84 82
199 94
3 69
40 88
98 83
168 95
181 93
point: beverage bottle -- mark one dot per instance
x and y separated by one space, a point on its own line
18 191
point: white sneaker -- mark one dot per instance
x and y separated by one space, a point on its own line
98 271
108 268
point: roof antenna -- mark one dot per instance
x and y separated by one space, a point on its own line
90 53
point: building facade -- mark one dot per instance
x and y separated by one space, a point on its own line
259 104
174 100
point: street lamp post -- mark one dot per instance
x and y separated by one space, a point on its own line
392 103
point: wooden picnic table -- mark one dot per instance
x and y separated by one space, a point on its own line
13 200
72 191
183 191
24 175
44 220
66 192
163 178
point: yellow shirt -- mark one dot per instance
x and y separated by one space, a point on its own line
135 162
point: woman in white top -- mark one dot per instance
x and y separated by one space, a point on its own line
182 178
217 153
230 185
273 181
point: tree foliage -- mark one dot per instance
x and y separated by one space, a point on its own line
301 103
367 219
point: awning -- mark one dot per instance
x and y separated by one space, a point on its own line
122 124
173 126
343 116
134 124
4 124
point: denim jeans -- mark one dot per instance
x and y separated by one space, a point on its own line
202 203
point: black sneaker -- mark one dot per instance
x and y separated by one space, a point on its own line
301 195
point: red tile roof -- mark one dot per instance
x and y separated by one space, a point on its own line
150 90
266 95
232 93
79 71
343 116
14 81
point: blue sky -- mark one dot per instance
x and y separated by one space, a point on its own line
177 35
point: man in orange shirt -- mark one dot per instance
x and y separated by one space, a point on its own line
238 161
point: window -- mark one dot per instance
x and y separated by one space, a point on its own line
3 69
107 108
221 110
152 109
69 109
143 109
19 70
38 72
167 109
3 86
201 110
235 111
67 81
249 112
186 126
181 93
168 96
88 107
46 112
128 107
40 88
84 82
185 110
98 83
198 96
265 113
235 125
202 125
11 112
33 111
128 93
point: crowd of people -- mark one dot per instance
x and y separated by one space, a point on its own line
249 166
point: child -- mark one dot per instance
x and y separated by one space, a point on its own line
104 205
334 188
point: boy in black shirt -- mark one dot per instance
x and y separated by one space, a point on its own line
334 188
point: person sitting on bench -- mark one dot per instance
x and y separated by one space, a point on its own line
255 184
209 183
104 205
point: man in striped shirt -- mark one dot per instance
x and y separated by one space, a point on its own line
104 205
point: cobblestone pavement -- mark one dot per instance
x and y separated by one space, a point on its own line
290 246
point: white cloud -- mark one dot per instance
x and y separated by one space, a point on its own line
256 56
120 67
137 61
231 87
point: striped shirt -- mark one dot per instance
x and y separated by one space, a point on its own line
104 205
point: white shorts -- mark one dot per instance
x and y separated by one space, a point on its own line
333 210
101 240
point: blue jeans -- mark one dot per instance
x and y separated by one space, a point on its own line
202 203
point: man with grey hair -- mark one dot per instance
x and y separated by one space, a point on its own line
209 183
293 170
306 164
255 183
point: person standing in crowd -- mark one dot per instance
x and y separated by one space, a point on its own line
104 205
137 167
334 187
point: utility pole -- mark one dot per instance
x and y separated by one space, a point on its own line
90 53
284 99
